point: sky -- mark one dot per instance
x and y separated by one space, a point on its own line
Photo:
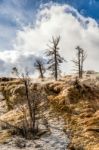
26 26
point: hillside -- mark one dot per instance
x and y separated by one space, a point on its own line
68 114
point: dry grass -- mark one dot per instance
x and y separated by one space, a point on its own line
79 104
4 135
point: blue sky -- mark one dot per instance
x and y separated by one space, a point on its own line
17 14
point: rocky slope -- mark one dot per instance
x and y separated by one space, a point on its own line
77 102
10 112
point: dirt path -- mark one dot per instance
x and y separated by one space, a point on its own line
56 140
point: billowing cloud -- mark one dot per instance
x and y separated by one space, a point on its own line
52 20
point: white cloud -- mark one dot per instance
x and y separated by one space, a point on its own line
62 20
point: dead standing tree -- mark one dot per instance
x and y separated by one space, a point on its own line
39 65
33 108
54 57
79 61
31 104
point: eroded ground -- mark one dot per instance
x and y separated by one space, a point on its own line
74 113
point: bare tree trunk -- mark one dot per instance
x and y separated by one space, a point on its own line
56 74
55 58
34 113
41 72
29 104
39 65
79 64
82 62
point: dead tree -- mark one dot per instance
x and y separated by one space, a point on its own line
54 57
34 98
39 65
79 61
31 104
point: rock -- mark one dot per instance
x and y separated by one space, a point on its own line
29 145
21 143
38 146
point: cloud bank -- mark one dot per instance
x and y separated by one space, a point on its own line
52 20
